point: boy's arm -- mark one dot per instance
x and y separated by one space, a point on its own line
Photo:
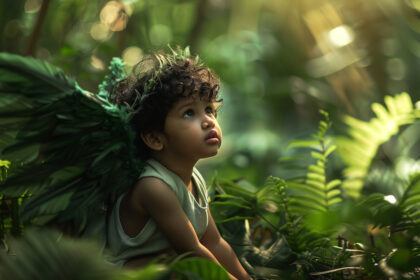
161 203
222 250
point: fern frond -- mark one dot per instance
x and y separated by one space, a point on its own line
359 148
410 202
315 192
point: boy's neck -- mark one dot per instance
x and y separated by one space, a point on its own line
183 169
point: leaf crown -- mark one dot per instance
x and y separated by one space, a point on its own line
147 73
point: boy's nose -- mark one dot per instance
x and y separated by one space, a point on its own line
207 122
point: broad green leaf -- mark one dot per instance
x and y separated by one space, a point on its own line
151 271
199 268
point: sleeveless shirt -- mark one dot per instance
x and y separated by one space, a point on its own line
150 239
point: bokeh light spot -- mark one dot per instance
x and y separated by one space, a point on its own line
100 32
97 63
114 15
415 4
341 36
32 6
132 55
390 198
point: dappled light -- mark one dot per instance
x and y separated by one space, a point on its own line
132 55
32 6
318 173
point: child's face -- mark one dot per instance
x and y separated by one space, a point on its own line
191 129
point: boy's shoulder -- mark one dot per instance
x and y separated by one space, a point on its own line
151 191
149 186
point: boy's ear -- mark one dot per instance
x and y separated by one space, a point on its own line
153 140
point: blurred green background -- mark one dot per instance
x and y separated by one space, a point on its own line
280 61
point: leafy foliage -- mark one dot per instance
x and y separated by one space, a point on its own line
315 192
280 208
358 149
307 221
45 254
410 202
199 268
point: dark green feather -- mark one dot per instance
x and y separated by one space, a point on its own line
75 151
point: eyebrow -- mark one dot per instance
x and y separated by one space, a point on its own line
185 105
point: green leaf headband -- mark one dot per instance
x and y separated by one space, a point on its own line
160 62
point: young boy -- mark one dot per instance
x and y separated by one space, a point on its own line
175 100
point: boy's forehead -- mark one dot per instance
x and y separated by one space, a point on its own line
192 99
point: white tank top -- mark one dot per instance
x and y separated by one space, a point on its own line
150 240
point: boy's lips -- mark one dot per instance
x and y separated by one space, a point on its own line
212 137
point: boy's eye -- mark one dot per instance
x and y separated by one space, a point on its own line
188 114
210 111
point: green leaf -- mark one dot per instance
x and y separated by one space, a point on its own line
307 199
316 177
333 193
228 196
235 218
316 169
56 204
316 184
199 268
330 150
231 203
332 184
306 188
334 201
304 206
4 163
233 189
304 144
317 155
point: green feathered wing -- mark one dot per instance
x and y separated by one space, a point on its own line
74 150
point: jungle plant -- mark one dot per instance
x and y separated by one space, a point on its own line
328 236
46 254
277 212
9 209
359 148
315 192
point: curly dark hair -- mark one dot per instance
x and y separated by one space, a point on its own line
156 84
